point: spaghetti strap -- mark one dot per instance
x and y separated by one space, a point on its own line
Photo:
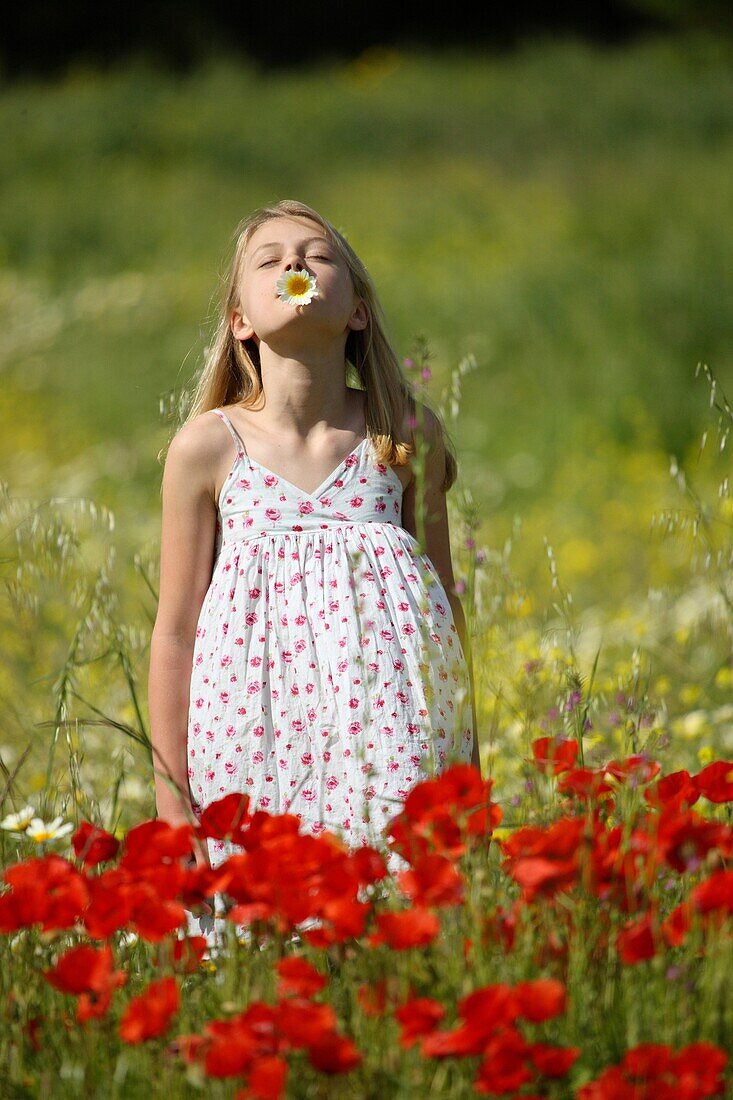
235 434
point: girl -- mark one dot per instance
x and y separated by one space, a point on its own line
305 650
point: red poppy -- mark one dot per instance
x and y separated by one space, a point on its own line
555 754
544 860
540 999
81 969
230 1047
652 1069
504 1067
434 880
305 1023
677 789
684 838
266 1079
226 819
553 1061
587 785
89 974
347 917
152 843
715 781
636 941
189 952
152 916
47 890
150 1014
419 1016
334 1054
715 892
414 928
461 1042
700 1067
488 1005
110 903
638 765
368 864
94 845
297 977
444 814
677 924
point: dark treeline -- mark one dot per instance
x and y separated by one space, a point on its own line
44 37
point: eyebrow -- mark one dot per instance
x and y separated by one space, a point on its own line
275 244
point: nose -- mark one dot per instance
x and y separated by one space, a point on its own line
296 264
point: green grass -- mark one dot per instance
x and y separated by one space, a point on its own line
560 213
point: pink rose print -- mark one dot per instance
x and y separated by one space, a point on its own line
318 624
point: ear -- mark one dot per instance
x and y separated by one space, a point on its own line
360 316
240 326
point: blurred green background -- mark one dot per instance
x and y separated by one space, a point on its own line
562 213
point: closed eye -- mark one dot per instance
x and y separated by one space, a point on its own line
268 262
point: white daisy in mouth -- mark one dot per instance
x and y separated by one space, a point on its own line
297 288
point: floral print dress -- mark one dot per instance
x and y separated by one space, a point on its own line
328 676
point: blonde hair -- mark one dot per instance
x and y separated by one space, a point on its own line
231 370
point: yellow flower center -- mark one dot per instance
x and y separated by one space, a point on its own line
298 284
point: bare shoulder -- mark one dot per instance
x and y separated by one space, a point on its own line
197 452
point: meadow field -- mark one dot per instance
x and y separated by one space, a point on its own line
550 235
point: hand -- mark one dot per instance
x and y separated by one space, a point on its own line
199 857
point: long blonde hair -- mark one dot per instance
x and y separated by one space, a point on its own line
231 371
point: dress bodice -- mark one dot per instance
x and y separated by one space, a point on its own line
255 502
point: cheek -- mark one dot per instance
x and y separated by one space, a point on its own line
262 293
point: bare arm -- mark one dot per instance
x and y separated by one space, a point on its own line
437 540
186 558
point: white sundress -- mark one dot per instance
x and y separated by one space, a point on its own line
328 676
